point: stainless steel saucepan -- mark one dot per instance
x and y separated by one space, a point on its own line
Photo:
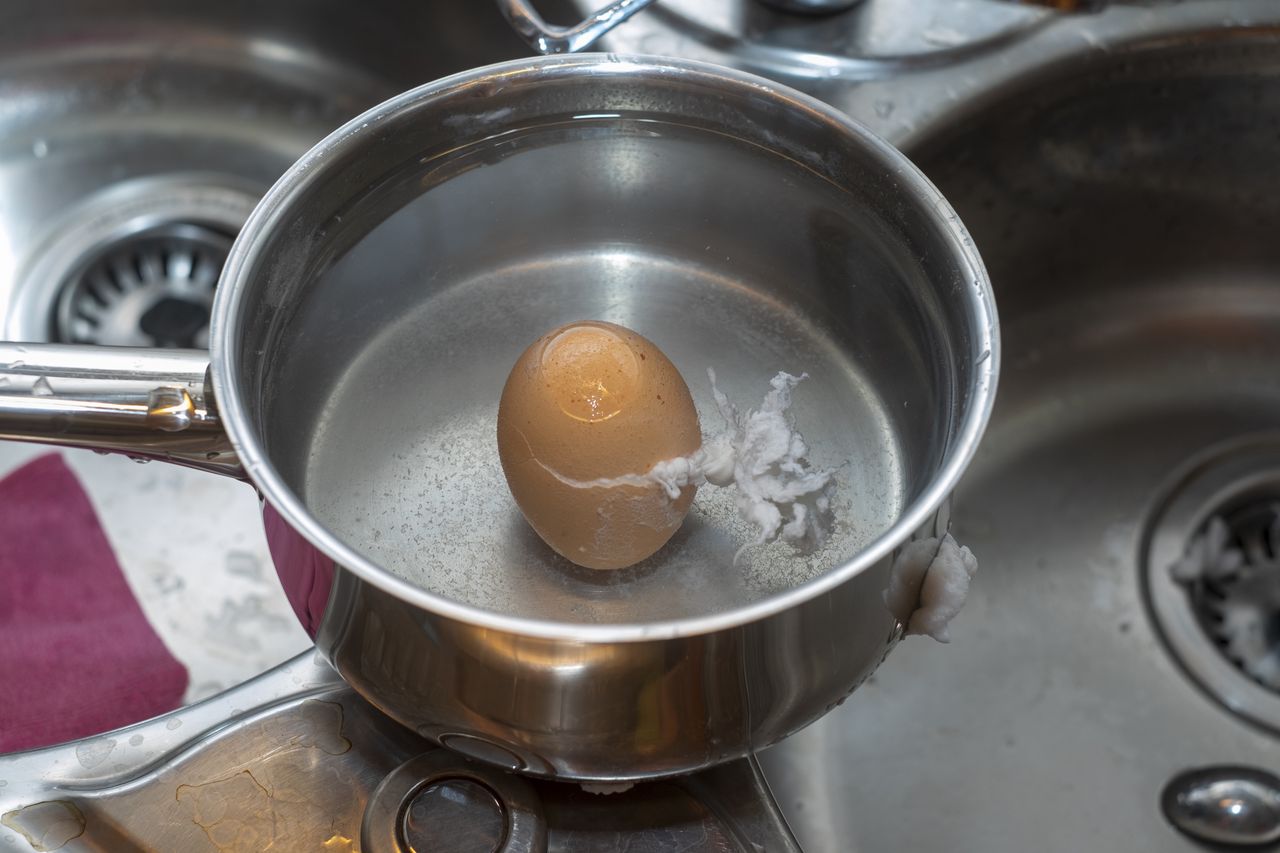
379 294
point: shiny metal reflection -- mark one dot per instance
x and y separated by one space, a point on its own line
1238 806
869 267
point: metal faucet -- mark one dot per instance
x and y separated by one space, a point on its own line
812 7
548 39
828 7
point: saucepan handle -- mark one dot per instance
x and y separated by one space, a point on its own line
144 403
548 39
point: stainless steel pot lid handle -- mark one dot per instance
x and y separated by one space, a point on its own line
549 39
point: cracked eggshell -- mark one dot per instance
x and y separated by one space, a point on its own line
589 401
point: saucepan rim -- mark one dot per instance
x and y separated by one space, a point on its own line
230 305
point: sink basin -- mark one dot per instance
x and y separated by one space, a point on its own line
1126 204
135 137
211 101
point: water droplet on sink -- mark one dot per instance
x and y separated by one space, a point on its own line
40 148
94 752
173 724
47 825
42 388
135 740
884 109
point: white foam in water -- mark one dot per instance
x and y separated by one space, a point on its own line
763 456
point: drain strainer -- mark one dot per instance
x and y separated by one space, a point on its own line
1212 574
154 288
134 265
1232 574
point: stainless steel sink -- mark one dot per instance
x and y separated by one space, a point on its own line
1126 203
1117 173
209 101
135 136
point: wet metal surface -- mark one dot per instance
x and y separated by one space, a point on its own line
294 760
1056 717
1123 202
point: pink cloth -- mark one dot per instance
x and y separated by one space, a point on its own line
305 573
77 654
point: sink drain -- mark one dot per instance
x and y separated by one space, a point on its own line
1231 570
149 289
134 265
1212 574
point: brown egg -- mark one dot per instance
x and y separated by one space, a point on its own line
591 401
